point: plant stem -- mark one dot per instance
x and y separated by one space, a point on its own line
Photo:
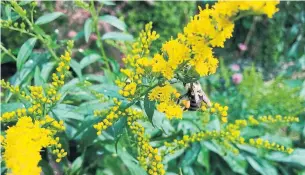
243 15
94 15
32 14
8 52
40 37
249 34
22 31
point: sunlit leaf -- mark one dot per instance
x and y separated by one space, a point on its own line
25 51
48 18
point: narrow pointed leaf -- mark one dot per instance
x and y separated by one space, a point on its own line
48 18
25 51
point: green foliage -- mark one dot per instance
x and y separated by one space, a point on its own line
255 96
168 17
273 97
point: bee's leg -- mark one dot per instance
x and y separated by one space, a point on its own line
184 103
180 98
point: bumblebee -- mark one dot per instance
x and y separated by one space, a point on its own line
194 97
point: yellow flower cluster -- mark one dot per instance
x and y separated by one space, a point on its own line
22 145
111 116
34 129
194 45
278 119
189 55
226 138
272 119
55 127
148 156
137 63
7 85
14 90
174 55
167 97
216 108
63 67
230 133
223 137
260 143
13 115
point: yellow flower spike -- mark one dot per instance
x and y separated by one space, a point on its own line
213 110
29 135
224 119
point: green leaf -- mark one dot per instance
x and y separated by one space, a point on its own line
149 107
89 60
237 163
8 10
46 70
117 36
110 76
65 112
88 137
15 16
188 170
191 154
5 58
117 128
88 108
130 161
297 157
204 158
97 78
37 77
107 89
8 107
114 21
24 2
28 67
76 68
88 29
261 166
46 168
106 2
293 50
86 124
38 30
48 18
77 164
114 65
25 51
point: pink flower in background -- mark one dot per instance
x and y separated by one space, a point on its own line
93 37
235 67
237 78
242 46
72 34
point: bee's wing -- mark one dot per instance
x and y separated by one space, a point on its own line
203 97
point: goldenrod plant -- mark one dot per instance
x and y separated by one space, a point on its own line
138 120
35 129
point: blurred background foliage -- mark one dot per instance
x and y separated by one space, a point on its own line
262 72
139 13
